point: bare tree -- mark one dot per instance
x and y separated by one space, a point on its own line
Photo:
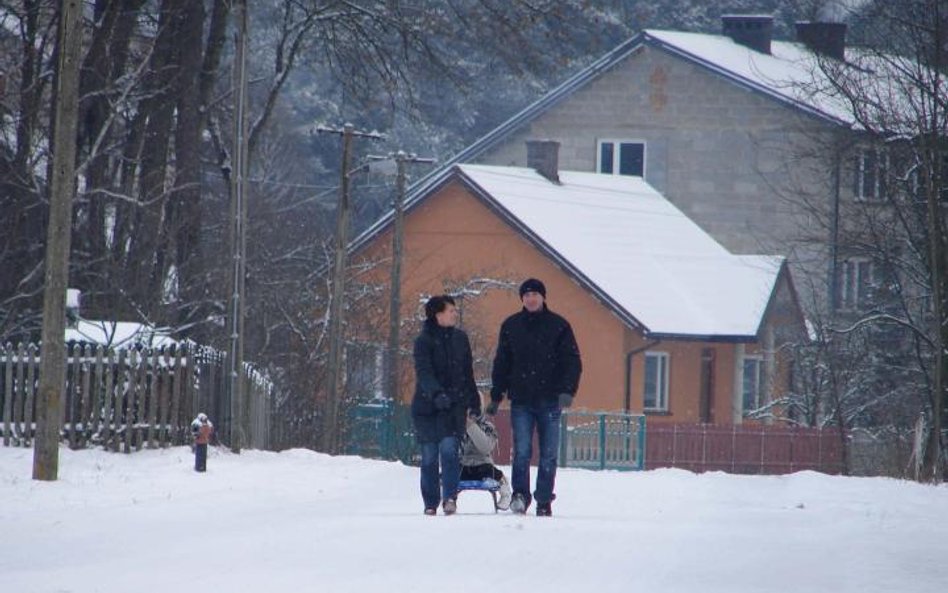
880 358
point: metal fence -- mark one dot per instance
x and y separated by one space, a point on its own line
592 440
129 398
620 441
602 440
758 449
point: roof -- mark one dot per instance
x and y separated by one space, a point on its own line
634 249
790 74
120 334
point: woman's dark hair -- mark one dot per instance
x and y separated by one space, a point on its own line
437 304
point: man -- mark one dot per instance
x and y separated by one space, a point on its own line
444 395
538 366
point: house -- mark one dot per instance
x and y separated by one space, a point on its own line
668 321
733 129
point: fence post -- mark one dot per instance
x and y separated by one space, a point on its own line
73 405
33 354
642 441
86 401
602 441
110 418
19 390
97 400
7 392
151 360
733 445
131 378
704 447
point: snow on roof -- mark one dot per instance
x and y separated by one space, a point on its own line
635 246
120 334
790 72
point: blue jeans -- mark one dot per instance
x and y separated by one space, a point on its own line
545 419
445 451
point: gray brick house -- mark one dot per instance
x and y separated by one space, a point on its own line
735 129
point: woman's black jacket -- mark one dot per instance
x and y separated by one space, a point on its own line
443 363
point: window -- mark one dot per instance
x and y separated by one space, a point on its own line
855 283
870 175
621 157
656 381
750 383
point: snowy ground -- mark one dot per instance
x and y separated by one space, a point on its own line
300 521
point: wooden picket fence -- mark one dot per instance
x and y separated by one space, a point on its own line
127 399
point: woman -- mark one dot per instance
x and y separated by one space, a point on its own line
444 392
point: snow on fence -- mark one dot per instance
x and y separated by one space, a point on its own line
124 399
757 449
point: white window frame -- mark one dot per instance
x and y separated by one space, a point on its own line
851 279
881 166
661 398
757 397
616 157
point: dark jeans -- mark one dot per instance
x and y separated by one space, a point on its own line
200 458
545 419
446 452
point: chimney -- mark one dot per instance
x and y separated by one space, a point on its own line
72 307
825 39
544 157
750 30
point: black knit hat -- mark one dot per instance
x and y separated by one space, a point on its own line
532 285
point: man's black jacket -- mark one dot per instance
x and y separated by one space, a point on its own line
537 358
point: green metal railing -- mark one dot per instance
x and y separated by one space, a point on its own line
381 430
589 440
602 440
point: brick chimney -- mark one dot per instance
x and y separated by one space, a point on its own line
544 157
825 39
750 30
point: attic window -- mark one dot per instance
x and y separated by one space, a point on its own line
621 157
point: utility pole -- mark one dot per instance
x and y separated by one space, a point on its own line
401 160
331 434
238 232
58 234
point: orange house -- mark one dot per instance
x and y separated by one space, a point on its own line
668 322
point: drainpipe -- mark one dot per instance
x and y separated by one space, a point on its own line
834 237
628 371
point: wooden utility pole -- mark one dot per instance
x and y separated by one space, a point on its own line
331 436
238 232
52 379
401 160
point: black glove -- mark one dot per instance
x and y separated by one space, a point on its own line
491 408
442 401
566 400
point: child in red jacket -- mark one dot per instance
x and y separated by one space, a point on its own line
202 429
